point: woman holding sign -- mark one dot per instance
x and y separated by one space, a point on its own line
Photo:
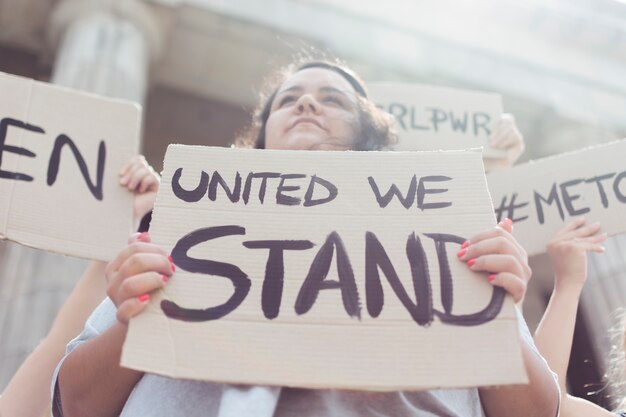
318 106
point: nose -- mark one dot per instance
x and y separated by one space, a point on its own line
307 103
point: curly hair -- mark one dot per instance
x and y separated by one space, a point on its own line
375 131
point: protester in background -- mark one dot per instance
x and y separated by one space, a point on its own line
28 392
568 251
317 106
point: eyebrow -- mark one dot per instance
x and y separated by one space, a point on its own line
322 89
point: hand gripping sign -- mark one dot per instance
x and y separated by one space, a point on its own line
324 269
60 153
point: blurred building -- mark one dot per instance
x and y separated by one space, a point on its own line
195 66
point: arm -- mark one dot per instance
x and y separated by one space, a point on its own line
568 253
498 253
507 137
90 380
28 392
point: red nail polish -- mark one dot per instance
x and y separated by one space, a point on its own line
465 244
461 253
169 258
471 262
164 277
508 221
143 236
491 277
144 297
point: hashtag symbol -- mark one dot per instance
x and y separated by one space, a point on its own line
505 210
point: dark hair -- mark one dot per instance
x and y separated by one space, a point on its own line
376 128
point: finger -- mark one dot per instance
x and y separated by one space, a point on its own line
131 249
147 183
496 245
506 224
126 179
136 177
573 225
592 247
142 262
511 283
128 169
497 263
488 234
134 160
137 285
501 137
131 307
583 231
139 237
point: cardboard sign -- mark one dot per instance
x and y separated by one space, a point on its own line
543 195
60 154
432 118
324 269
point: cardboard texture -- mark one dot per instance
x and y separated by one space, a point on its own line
543 195
46 200
431 118
318 330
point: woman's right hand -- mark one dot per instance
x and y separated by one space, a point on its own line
568 251
139 269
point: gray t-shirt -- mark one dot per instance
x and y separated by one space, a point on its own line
158 396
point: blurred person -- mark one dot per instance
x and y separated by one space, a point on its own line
28 391
568 252
315 106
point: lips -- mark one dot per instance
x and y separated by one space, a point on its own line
311 120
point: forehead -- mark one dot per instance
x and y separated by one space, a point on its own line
314 78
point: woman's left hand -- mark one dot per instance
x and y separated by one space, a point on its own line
498 253
507 137
140 178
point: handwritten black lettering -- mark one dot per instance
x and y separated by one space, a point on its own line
55 160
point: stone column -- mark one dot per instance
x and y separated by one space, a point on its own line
104 47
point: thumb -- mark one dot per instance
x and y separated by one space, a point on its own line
506 224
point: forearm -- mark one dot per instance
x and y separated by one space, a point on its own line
91 381
555 332
578 407
539 398
28 392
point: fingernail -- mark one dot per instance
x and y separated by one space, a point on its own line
465 244
508 221
461 253
164 277
143 236
491 277
471 262
144 298
172 263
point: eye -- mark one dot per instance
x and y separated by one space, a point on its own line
286 100
333 100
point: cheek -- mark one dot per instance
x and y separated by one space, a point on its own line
348 126
273 132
